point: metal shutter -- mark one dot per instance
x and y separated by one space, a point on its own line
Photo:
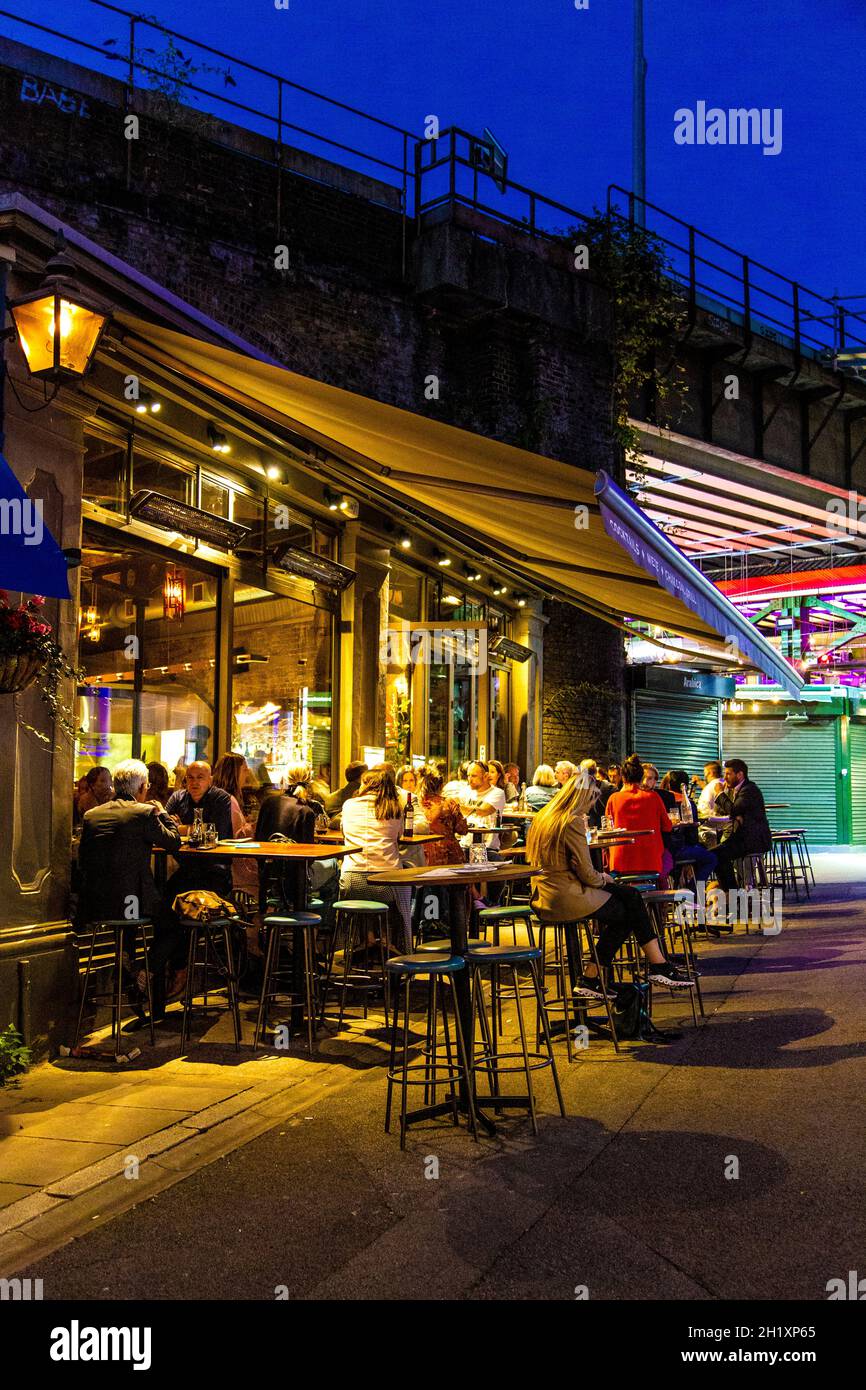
675 731
857 749
790 762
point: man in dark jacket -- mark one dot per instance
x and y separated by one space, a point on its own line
334 803
117 840
750 831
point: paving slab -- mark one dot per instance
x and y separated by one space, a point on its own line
153 1095
13 1192
107 1124
42 1161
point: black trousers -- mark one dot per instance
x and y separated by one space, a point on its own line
624 913
729 850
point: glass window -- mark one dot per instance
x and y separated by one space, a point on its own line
281 697
215 497
500 733
249 511
150 678
104 468
168 478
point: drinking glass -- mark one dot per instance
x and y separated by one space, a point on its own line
210 835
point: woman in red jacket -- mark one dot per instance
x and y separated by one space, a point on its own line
635 808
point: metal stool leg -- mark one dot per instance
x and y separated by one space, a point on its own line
117 1000
536 983
231 984
264 997
84 990
188 991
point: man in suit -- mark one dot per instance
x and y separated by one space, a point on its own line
117 840
750 831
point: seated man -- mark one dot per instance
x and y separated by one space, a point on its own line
117 839
215 875
750 830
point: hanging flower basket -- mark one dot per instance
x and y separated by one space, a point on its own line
17 672
29 655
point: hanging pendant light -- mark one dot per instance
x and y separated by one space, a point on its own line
174 594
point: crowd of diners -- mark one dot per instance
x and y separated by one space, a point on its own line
126 814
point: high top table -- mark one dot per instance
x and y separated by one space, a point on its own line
292 857
458 878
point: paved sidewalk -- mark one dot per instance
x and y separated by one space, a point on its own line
81 1140
633 1194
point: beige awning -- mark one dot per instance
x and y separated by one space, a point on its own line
538 513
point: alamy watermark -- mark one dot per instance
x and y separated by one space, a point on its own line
738 125
465 648
22 517
761 906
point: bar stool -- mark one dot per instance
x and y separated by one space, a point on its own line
495 918
490 1057
784 873
135 927
438 1073
352 916
670 911
562 1000
803 851
802 868
684 873
303 925
206 934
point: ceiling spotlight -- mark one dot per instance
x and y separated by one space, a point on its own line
521 600
472 574
147 404
450 598
443 561
405 542
339 502
218 441
274 473
500 589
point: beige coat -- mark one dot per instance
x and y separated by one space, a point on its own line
566 895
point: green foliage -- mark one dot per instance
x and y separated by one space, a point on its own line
14 1056
647 312
168 70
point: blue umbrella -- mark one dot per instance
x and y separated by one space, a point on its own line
31 561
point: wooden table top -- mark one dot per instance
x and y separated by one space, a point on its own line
484 873
265 849
424 837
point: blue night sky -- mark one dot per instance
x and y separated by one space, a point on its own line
554 84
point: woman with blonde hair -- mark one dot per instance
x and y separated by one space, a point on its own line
544 787
372 825
570 888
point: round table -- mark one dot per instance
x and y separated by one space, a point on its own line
450 876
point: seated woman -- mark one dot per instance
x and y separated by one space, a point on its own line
372 826
544 787
443 817
227 773
637 808
569 888
685 842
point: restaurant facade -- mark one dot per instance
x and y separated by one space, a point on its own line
263 563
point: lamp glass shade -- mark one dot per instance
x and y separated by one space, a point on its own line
58 335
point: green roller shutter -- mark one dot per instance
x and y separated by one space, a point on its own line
675 731
790 762
857 750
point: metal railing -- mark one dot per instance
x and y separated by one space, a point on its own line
457 168
271 104
750 295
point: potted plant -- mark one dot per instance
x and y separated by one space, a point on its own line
28 654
